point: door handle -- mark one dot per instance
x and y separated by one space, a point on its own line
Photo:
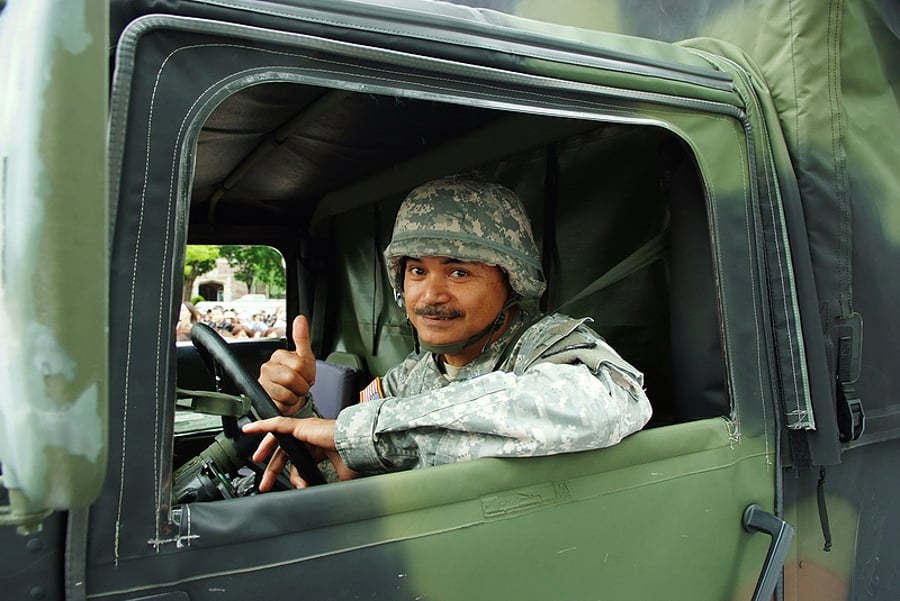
756 519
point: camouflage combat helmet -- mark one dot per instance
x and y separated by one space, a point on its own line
470 220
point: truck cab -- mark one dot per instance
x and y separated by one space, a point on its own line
675 203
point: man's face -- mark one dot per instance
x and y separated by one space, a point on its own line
448 300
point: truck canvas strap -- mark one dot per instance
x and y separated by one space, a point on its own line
851 418
644 255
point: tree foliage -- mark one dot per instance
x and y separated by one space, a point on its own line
257 265
198 259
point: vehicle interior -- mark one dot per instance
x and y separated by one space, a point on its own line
618 210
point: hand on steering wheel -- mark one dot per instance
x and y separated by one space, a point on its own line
212 346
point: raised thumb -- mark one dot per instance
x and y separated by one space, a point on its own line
300 335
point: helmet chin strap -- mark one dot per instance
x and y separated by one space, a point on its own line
454 348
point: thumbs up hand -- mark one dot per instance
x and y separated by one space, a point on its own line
288 375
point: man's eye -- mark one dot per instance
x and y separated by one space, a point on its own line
413 270
460 273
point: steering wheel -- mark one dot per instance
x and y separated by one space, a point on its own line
211 346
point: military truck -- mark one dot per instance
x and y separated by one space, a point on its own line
716 185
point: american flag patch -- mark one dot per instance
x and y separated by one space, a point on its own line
372 391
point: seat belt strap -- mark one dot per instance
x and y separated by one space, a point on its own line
317 323
647 253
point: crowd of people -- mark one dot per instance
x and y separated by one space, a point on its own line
230 324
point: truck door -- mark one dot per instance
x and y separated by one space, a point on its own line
658 515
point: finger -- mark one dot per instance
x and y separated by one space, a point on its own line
265 448
279 425
300 335
283 397
285 386
270 474
296 480
289 369
303 350
313 430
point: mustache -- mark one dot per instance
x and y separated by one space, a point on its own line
439 312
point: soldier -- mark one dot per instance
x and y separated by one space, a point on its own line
489 377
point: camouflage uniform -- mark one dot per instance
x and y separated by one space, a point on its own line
547 385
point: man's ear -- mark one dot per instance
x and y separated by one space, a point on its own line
398 294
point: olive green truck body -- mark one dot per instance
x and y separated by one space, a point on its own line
717 185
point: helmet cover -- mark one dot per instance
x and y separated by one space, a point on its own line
469 220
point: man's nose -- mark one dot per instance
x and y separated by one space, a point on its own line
435 290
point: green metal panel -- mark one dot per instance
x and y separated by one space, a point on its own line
53 240
635 521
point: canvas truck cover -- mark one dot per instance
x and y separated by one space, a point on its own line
829 140
700 68
53 255
831 74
